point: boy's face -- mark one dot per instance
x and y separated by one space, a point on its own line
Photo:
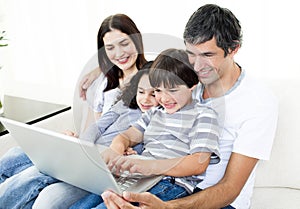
173 99
145 97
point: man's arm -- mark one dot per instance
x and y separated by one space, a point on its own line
220 195
223 193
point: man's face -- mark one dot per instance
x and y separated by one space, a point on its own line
208 61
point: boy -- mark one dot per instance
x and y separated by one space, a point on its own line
181 135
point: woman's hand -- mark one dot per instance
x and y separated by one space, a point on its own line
70 133
86 82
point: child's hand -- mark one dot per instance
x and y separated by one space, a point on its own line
70 133
130 151
109 155
126 163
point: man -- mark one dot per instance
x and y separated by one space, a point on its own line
248 112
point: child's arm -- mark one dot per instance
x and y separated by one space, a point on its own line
189 165
120 143
128 138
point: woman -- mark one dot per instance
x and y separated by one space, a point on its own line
120 56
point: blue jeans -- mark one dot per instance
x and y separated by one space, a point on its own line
164 190
17 189
228 207
21 190
13 161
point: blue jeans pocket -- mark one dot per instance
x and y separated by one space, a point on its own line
165 190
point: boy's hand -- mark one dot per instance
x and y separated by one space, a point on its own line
130 151
127 163
109 155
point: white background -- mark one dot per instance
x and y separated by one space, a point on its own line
50 41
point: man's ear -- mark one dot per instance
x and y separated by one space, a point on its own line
233 52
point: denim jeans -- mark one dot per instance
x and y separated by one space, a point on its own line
164 190
20 190
12 162
59 196
228 207
89 201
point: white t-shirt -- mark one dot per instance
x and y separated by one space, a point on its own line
248 113
98 100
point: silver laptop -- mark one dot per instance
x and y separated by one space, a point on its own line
72 160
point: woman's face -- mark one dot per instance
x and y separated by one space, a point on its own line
145 97
120 49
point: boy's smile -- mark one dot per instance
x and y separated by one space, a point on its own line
173 99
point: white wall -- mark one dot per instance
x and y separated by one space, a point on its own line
50 41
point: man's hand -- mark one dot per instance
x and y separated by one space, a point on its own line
86 82
145 199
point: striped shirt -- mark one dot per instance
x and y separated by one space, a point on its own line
192 129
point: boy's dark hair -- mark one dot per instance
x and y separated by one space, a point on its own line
129 93
172 68
211 21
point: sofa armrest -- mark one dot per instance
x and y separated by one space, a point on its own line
58 123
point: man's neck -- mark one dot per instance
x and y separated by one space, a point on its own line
221 86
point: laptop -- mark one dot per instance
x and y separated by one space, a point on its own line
72 160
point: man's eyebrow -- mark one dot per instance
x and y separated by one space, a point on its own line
188 51
201 53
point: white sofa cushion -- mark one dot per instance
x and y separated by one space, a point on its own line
277 183
276 198
283 168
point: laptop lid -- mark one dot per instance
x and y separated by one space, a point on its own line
66 158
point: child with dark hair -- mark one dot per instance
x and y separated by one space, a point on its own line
137 97
180 134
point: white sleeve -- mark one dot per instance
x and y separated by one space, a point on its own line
257 131
95 94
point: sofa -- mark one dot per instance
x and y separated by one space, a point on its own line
277 180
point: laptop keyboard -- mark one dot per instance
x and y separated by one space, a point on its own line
127 180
